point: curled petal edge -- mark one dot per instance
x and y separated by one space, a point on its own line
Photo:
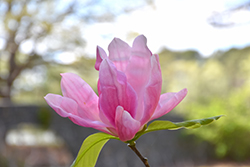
67 107
167 102
126 126
100 55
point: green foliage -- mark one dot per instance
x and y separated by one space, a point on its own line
90 149
217 85
44 117
230 135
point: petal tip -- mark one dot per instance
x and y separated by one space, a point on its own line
100 56
185 91
142 36
48 96
64 74
140 45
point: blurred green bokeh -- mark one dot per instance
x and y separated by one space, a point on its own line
217 85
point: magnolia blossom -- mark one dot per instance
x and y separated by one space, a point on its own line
129 89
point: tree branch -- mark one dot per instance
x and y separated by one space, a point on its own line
143 159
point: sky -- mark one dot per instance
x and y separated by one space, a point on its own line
176 25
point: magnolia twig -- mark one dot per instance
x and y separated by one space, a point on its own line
143 159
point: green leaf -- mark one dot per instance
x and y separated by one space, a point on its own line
90 149
168 125
192 124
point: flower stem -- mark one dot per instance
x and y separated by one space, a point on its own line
143 159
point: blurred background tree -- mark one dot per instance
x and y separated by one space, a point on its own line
217 85
37 34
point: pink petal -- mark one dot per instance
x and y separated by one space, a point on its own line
62 105
167 102
138 71
67 107
108 102
153 90
98 87
126 126
100 55
138 75
119 53
77 89
140 46
114 91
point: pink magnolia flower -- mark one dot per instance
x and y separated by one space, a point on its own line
129 90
